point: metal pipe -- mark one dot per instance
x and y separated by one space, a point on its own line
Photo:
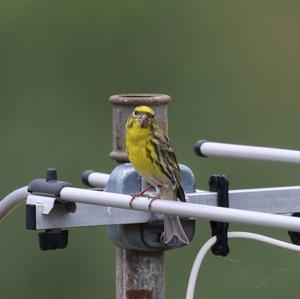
139 274
123 104
134 281
214 149
181 209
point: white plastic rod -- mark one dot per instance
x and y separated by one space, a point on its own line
98 179
189 210
214 149
95 179
11 201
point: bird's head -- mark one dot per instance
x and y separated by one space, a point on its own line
142 116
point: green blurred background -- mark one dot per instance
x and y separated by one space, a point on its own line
232 69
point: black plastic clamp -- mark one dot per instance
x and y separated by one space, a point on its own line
220 184
295 236
49 186
50 238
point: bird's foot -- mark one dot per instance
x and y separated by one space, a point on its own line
152 198
161 193
133 197
138 194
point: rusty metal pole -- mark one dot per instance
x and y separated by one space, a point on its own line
139 274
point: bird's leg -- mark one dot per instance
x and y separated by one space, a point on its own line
141 193
138 194
161 192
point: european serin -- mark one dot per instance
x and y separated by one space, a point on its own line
150 152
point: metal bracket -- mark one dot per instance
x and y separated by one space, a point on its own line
276 200
148 236
46 203
51 213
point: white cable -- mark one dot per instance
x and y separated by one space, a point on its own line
244 235
11 201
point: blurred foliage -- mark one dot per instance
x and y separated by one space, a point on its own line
232 69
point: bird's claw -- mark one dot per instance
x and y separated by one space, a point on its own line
138 194
133 197
152 198
131 201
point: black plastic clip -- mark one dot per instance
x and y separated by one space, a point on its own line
51 238
50 186
219 183
295 236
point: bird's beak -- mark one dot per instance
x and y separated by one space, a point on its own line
144 120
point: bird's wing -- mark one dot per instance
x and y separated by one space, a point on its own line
167 160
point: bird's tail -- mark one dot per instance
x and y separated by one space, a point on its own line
173 227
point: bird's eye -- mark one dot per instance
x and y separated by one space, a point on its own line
135 113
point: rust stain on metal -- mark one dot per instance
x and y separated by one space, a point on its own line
119 141
133 99
139 294
164 125
140 274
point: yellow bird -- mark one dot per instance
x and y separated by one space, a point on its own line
150 152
